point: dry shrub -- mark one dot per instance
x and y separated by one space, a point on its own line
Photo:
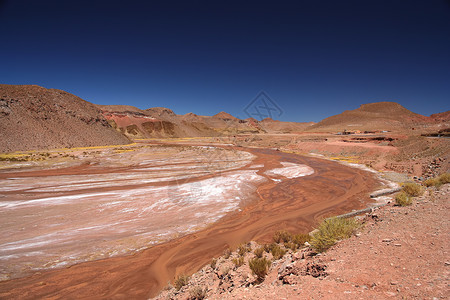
403 199
412 189
432 182
332 230
243 248
259 267
197 293
227 253
259 252
437 181
238 261
282 236
213 263
444 178
277 251
181 281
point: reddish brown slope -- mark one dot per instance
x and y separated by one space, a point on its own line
154 122
274 126
441 117
33 117
373 116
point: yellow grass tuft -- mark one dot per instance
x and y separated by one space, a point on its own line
403 199
412 189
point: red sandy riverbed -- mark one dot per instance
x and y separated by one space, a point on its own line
294 203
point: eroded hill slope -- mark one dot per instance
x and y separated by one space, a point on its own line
33 117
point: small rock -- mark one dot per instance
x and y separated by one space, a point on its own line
386 240
398 245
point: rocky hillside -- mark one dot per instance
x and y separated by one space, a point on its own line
441 117
33 117
378 116
163 122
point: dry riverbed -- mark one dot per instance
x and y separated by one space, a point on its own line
117 201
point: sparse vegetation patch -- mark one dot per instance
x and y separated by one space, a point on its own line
239 261
259 267
282 236
181 281
403 199
332 230
243 248
437 181
197 293
277 251
259 252
412 189
300 239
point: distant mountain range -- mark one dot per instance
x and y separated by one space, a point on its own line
33 117
163 122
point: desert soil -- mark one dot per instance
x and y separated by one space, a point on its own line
400 253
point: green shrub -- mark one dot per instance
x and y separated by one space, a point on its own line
259 267
412 189
331 230
403 199
259 252
197 293
238 261
291 245
277 251
181 281
282 236
300 239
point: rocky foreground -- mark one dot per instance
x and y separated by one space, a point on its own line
400 253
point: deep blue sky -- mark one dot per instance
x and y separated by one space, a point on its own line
314 58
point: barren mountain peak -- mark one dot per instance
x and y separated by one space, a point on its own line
385 106
225 115
268 119
443 116
161 110
118 108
